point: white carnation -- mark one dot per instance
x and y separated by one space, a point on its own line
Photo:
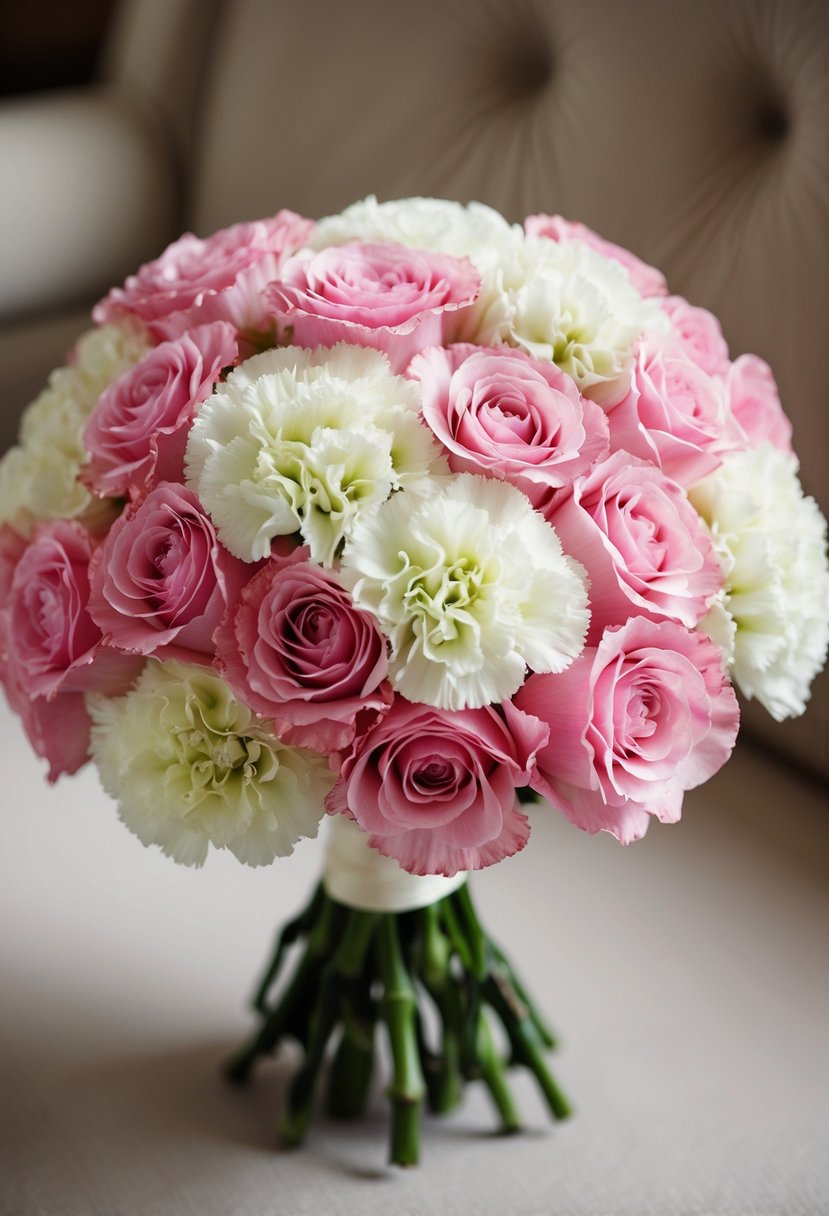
422 223
40 481
100 356
191 766
559 301
299 440
772 545
719 625
567 303
39 476
471 586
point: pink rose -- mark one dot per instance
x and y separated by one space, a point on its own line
634 722
161 581
298 652
674 414
385 296
220 278
137 433
647 280
51 641
12 547
698 333
641 542
755 403
57 727
435 788
499 412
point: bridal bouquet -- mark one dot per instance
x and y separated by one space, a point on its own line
408 517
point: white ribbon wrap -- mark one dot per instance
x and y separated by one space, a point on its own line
357 875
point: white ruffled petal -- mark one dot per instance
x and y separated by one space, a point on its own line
771 541
470 585
192 767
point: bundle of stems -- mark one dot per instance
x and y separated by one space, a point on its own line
356 970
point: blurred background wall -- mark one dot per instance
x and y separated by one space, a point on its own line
51 45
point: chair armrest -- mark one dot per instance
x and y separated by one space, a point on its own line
89 192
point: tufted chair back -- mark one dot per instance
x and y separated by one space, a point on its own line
695 132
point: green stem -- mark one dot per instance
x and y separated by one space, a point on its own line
398 1009
290 1014
544 1032
486 952
444 1076
526 1046
349 1078
494 1077
346 963
435 951
440 954
455 934
473 933
444 1082
290 933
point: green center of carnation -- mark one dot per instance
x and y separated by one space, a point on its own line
564 343
220 761
447 601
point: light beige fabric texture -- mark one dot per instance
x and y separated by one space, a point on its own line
686 976
697 134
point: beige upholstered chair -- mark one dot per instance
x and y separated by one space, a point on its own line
687 974
697 134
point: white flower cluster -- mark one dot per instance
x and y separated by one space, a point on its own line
471 587
563 302
304 441
39 476
420 223
410 392
192 766
772 544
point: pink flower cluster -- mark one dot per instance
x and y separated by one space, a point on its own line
643 714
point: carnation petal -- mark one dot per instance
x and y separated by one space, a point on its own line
191 766
771 540
469 584
306 441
